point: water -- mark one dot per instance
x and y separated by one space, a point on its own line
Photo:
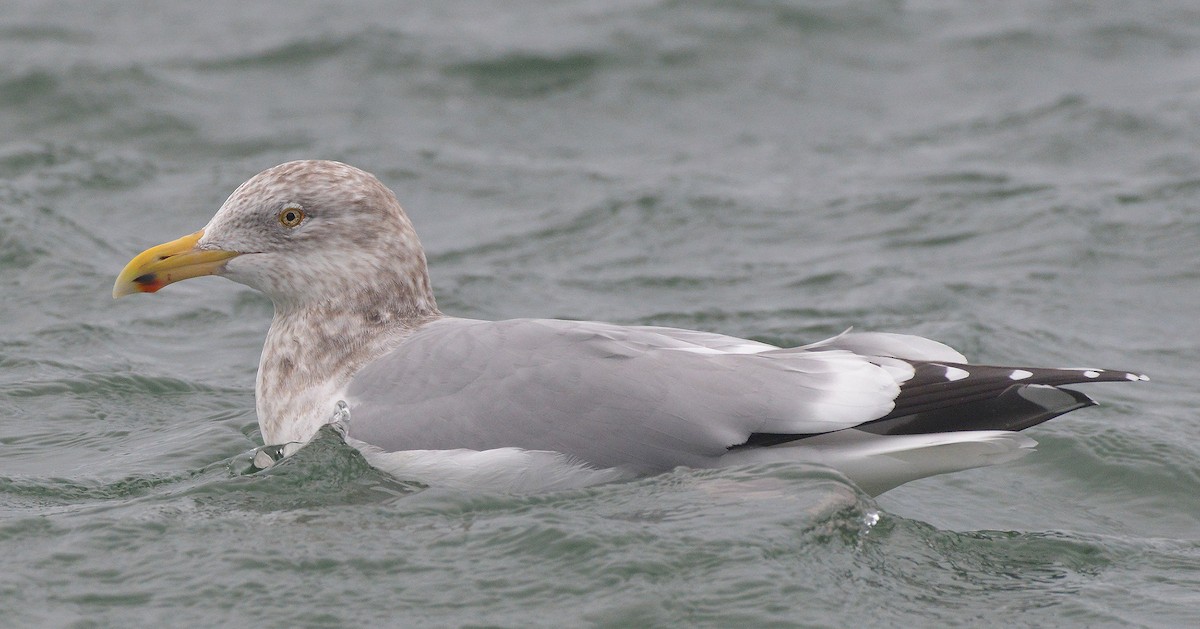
1017 179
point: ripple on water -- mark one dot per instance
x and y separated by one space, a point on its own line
524 75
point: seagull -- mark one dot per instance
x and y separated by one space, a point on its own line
543 404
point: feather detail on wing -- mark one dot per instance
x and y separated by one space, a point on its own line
610 395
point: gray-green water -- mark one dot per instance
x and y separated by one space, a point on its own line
1020 180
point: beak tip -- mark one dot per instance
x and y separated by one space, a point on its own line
121 289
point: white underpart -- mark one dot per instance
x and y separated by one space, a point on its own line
954 373
1020 374
500 470
877 463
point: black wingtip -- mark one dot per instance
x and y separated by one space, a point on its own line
1017 408
946 397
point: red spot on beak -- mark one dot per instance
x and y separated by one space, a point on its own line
149 282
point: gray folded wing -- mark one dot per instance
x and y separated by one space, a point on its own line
643 398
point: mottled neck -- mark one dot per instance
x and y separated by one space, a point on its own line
310 355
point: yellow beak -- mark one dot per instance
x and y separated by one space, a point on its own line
168 263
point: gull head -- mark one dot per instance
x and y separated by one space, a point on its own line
309 233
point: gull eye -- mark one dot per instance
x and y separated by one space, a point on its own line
291 216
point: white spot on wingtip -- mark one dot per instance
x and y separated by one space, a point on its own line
1137 377
1020 374
954 373
1091 373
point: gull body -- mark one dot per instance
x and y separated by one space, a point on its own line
532 404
